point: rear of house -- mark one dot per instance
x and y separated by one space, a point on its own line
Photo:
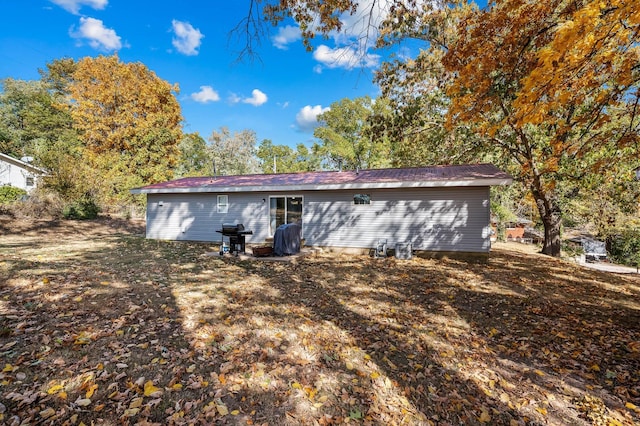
442 208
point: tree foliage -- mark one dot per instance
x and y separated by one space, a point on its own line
233 153
346 137
284 159
194 159
558 94
129 120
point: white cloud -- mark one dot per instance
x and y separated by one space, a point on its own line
286 35
307 117
206 94
73 6
187 39
257 98
344 57
234 99
97 35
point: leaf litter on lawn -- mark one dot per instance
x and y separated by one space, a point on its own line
100 325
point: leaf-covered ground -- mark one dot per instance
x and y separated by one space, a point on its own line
100 326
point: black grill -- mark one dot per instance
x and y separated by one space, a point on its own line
236 234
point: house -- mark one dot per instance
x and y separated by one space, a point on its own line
18 173
442 208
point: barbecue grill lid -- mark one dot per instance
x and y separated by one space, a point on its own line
232 227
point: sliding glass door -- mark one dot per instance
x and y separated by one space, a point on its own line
284 209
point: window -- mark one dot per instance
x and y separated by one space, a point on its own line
30 181
362 199
223 203
284 210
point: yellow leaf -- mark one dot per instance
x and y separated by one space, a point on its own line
130 412
375 375
484 417
222 409
177 386
594 367
542 411
149 388
8 368
54 389
91 390
539 373
633 407
45 280
136 403
349 365
296 385
367 357
82 339
235 412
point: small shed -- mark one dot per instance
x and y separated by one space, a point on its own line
19 173
440 208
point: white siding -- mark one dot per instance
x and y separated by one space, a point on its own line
435 219
16 176
194 217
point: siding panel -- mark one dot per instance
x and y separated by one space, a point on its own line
436 219
439 219
194 217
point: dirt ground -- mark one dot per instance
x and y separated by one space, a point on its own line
101 326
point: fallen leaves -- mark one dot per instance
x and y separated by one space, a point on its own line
135 332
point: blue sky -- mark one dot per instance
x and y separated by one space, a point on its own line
187 42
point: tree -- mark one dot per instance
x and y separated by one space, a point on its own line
414 88
194 157
284 159
346 137
233 154
558 75
129 121
27 115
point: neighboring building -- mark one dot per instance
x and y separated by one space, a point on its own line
443 208
18 173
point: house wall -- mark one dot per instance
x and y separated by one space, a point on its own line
438 219
11 174
435 219
194 217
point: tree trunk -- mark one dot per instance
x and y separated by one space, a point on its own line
551 216
552 242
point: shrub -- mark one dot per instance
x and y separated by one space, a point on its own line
10 194
81 209
624 247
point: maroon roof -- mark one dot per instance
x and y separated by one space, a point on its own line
374 176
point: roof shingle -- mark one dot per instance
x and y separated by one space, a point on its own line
318 180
